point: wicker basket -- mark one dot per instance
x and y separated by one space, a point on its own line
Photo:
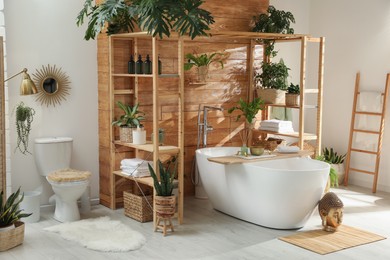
292 100
137 207
272 96
13 237
126 134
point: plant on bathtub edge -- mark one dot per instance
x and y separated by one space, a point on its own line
249 110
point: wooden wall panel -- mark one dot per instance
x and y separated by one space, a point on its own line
224 87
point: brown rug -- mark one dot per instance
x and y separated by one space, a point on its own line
323 242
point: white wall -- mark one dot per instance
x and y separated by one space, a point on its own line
41 32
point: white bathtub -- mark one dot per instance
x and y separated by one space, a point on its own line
279 193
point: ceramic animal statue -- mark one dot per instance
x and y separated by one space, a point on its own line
330 208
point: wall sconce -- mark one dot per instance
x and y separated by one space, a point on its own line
27 87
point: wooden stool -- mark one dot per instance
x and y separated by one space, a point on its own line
164 226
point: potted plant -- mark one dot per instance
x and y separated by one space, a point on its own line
11 229
202 63
129 120
24 118
155 17
292 95
249 110
273 82
165 201
274 21
336 162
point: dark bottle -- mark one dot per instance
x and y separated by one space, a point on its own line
139 65
159 66
131 65
147 65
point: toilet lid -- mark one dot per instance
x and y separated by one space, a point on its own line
68 175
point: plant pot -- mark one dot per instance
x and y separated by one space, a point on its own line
203 72
126 134
292 99
272 96
165 206
340 172
12 237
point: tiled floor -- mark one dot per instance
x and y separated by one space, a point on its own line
208 234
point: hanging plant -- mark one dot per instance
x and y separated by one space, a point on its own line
24 118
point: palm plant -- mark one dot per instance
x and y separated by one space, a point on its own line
24 118
9 209
131 116
157 17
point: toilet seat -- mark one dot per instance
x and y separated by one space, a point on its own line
68 176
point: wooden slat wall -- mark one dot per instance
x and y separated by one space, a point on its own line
223 88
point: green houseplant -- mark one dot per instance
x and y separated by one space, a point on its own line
24 119
11 228
130 119
202 62
165 201
273 81
274 21
249 110
336 161
292 95
157 17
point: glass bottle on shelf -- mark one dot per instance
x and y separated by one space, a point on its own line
159 65
147 65
131 65
139 65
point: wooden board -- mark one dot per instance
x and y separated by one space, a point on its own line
323 242
236 159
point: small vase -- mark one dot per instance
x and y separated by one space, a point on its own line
244 151
203 72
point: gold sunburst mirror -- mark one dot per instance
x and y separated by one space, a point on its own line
52 84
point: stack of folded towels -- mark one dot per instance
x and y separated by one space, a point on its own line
275 125
135 167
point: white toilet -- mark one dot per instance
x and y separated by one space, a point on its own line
52 157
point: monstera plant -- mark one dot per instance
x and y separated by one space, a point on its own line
157 17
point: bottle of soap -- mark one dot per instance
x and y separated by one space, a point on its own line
139 65
131 65
147 65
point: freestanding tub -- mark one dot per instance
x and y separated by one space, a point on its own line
280 193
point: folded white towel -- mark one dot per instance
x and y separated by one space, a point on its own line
275 123
135 173
288 149
277 129
135 162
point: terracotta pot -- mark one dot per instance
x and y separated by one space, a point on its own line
165 206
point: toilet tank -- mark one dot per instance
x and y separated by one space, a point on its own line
52 153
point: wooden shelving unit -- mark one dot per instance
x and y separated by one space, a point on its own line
127 87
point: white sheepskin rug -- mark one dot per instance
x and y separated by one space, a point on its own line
101 234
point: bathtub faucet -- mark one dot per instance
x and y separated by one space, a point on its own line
204 128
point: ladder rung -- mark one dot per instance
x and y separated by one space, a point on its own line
368 113
363 171
364 151
381 93
366 131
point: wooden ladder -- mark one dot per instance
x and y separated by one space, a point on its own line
353 130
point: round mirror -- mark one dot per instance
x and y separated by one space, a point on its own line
52 84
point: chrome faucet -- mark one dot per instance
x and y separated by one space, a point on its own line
204 128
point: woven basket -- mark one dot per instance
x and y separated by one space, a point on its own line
137 207
272 96
165 206
292 100
13 237
126 134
